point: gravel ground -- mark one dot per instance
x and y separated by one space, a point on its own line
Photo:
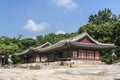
97 72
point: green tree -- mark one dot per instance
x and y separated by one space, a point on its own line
27 43
9 49
102 17
116 37
104 27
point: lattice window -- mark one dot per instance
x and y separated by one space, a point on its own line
82 55
75 54
90 55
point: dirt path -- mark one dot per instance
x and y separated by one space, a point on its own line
103 72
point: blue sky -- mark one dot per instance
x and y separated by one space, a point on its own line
40 17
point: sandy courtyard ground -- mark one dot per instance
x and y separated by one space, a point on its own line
98 72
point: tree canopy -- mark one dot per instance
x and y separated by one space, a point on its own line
104 27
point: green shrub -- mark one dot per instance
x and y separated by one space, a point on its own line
107 57
16 59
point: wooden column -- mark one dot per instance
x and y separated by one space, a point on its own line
24 58
40 58
28 58
67 52
94 55
77 53
86 54
34 57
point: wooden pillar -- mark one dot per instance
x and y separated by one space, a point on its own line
33 57
40 58
67 52
24 58
94 55
28 58
86 54
100 54
77 53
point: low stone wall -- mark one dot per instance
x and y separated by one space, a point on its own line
87 62
60 64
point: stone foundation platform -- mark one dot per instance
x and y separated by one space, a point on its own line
61 64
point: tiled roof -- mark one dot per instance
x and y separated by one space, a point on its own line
72 42
31 49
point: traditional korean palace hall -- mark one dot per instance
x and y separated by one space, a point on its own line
81 47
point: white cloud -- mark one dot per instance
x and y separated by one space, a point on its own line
65 3
60 32
32 26
34 37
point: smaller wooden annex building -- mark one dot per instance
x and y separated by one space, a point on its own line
81 47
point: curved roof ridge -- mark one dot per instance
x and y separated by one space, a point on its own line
78 37
55 44
26 51
97 41
43 45
74 38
